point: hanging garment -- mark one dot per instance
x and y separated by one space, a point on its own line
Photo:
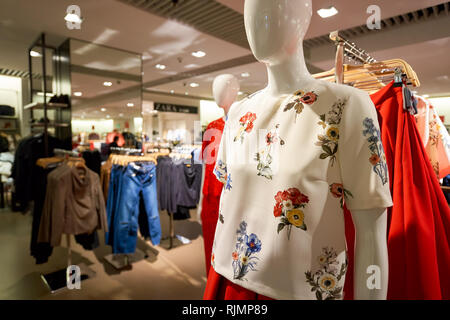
435 137
73 204
283 233
130 186
187 178
179 184
93 160
212 188
419 221
29 150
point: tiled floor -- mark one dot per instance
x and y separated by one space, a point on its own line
173 274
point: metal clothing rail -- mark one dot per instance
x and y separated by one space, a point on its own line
126 150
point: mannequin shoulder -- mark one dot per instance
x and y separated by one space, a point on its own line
352 96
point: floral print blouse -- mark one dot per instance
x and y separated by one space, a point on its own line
289 164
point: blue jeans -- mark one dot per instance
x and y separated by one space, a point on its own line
135 183
111 205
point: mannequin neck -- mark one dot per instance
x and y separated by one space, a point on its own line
289 75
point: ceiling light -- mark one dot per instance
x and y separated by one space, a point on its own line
108 116
327 12
103 109
240 93
199 54
172 91
245 75
130 104
120 114
78 94
107 83
426 96
194 85
35 54
160 66
71 17
186 93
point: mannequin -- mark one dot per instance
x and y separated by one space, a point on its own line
225 91
275 31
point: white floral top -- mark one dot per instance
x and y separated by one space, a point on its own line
288 166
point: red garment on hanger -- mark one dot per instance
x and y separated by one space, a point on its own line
419 221
212 188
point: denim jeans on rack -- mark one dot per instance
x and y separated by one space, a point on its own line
138 182
115 183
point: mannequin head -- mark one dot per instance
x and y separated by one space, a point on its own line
225 90
276 28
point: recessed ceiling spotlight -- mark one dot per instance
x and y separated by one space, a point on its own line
194 85
77 94
35 54
120 114
172 91
199 54
245 75
107 83
186 93
130 104
240 93
103 109
108 116
327 12
160 66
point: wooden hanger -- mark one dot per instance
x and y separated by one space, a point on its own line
374 76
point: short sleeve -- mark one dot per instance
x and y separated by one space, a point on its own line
361 155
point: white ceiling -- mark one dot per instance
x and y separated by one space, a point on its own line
160 41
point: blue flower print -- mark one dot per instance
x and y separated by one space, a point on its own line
247 246
253 243
377 158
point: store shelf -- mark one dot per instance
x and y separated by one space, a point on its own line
9 117
50 105
50 125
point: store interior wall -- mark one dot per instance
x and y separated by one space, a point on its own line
442 106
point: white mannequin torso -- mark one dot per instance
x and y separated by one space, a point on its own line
275 30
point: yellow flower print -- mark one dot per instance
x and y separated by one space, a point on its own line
297 218
299 93
333 134
327 282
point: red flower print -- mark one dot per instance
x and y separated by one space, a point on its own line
309 98
281 196
297 197
374 159
235 256
278 210
249 127
248 117
337 190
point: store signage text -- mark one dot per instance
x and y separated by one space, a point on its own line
168 107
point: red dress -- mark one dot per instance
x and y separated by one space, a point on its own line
419 221
212 188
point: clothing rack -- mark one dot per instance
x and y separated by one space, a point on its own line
58 280
369 75
126 151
